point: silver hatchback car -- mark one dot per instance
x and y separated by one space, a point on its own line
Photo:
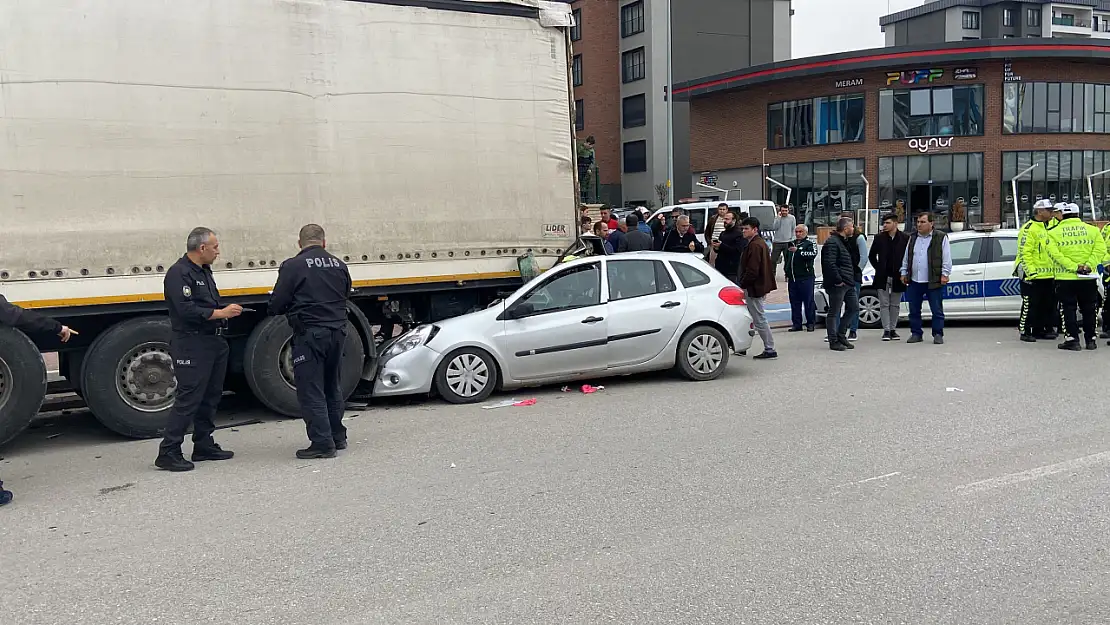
587 318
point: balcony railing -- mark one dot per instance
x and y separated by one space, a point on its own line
1070 21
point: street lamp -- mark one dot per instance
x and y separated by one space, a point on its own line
720 190
1013 189
1090 190
866 206
781 186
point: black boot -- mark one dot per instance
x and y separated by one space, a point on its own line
211 452
312 452
6 496
1071 344
173 461
340 444
1028 338
844 341
1092 345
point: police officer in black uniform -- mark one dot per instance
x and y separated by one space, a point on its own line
31 323
312 291
199 352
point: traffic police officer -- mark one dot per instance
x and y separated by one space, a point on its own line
31 323
1035 269
312 291
199 352
1076 250
1105 334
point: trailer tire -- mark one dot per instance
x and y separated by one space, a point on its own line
127 377
268 368
22 382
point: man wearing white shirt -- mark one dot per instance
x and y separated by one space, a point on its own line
925 271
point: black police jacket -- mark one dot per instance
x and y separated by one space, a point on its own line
26 320
192 296
312 290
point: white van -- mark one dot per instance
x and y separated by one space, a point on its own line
699 212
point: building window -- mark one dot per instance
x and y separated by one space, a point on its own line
1033 18
932 183
579 115
931 112
819 190
1051 107
576 70
1060 176
635 157
632 19
816 121
1007 17
634 111
633 65
971 20
576 28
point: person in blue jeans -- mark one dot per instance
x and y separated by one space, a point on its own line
925 271
798 265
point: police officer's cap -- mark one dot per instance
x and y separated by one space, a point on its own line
1045 204
1070 209
1059 207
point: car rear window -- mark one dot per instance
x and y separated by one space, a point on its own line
689 276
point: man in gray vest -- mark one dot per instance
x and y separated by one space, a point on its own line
925 270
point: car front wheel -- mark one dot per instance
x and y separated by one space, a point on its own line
466 376
702 354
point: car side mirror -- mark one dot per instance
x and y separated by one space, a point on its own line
521 310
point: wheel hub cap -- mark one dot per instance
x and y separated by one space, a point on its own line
467 375
145 379
705 354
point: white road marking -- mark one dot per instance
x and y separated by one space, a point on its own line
870 479
1032 474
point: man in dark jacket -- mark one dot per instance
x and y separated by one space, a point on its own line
838 273
887 251
757 278
681 238
31 323
798 265
634 239
729 248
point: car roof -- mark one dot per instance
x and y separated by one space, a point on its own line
971 234
689 259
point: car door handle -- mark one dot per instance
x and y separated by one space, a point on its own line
671 304
593 319
972 272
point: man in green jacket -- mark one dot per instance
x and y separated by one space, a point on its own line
1035 269
798 264
1076 250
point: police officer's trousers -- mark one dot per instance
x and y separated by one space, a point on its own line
199 364
317 356
1081 295
1106 307
1044 311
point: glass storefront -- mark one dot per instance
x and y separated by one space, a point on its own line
931 112
1059 176
932 183
820 190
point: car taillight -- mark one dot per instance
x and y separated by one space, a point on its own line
731 295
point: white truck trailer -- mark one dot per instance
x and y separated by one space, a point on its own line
433 140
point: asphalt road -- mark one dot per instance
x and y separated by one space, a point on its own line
820 488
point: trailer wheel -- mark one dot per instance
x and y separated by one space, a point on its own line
22 382
268 365
127 377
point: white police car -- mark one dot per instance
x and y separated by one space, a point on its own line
982 284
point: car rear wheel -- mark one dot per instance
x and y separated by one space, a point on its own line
466 376
869 316
702 354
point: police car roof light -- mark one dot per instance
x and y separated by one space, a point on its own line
984 227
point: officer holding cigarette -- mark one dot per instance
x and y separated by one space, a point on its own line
199 352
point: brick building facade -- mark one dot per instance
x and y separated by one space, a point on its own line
731 139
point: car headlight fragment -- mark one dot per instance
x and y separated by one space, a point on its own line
411 340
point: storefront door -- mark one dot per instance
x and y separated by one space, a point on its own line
936 198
